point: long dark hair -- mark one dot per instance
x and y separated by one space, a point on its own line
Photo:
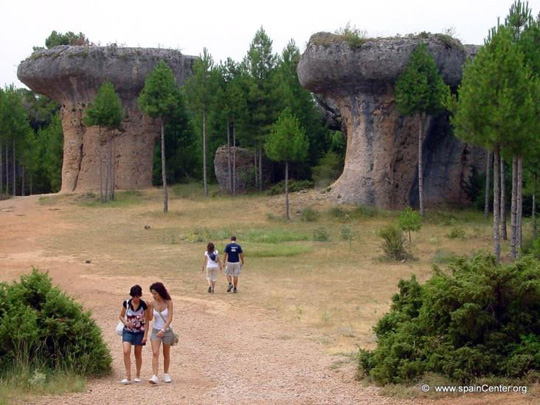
210 248
161 290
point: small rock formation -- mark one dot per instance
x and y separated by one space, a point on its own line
382 153
245 168
72 75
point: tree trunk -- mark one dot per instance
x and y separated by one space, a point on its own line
488 184
1 174
534 229
260 166
101 180
520 205
256 169
496 210
513 210
113 168
109 166
14 165
204 152
163 172
420 169
7 169
287 189
229 163
234 161
504 233
22 180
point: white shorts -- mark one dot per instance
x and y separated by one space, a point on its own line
233 269
211 273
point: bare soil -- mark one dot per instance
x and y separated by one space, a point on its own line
231 351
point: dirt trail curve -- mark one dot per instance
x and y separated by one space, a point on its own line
225 355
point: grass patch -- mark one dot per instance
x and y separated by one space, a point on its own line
22 382
443 257
278 251
122 199
274 235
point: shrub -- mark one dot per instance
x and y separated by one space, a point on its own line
456 232
393 243
309 215
328 169
321 235
43 328
410 220
346 233
294 185
479 319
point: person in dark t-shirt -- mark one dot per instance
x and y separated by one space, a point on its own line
234 260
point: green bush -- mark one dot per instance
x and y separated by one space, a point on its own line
328 169
43 328
479 319
294 186
456 232
393 244
309 215
321 234
410 220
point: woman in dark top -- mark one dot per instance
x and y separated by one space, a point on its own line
135 317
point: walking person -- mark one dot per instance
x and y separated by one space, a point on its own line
162 315
234 259
211 264
135 317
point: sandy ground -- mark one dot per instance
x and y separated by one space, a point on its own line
226 355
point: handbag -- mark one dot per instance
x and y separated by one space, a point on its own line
175 338
120 327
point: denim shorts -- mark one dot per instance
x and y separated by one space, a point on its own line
133 338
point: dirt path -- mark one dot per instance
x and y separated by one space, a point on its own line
226 355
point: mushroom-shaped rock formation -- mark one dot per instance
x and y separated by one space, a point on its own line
382 151
72 75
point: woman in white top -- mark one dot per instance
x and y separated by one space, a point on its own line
162 315
211 263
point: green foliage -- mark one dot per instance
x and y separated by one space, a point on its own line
294 186
353 36
410 220
69 38
106 110
309 215
159 98
420 88
288 141
321 234
42 327
456 232
477 320
328 169
393 244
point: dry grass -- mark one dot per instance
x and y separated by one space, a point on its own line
334 291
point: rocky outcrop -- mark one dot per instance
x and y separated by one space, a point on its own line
381 159
72 75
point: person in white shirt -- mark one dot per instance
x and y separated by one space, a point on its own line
162 315
211 263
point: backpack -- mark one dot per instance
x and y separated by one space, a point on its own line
213 256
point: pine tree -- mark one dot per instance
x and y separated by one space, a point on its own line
159 99
420 91
287 143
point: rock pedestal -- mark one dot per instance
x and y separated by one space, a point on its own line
72 76
382 151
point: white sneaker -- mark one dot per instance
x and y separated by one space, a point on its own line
167 378
137 380
125 381
153 380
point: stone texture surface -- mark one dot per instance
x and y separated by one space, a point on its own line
72 75
381 159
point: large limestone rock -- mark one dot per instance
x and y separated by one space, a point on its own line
356 85
72 75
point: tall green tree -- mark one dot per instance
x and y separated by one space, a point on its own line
107 113
287 143
260 63
159 99
419 92
495 104
200 89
